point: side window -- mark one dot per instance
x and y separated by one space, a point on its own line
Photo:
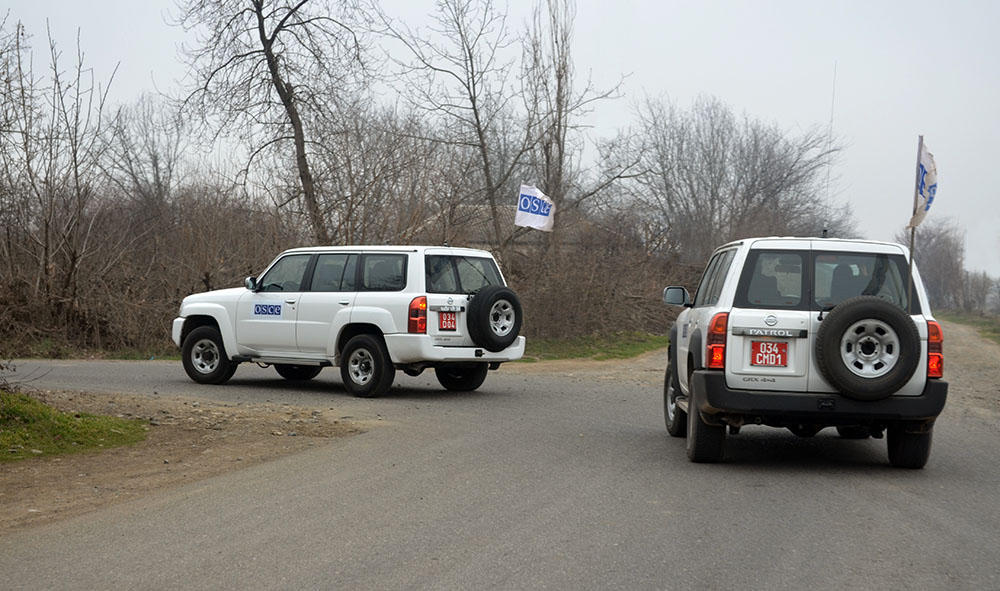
330 272
703 288
772 279
286 274
383 272
721 271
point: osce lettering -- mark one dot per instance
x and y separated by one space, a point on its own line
267 309
532 204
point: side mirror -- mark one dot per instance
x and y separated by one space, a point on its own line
250 283
676 295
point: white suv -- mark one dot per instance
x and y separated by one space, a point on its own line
369 309
805 333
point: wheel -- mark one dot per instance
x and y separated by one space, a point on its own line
705 442
297 373
461 377
908 449
365 366
867 348
204 356
673 416
494 318
853 432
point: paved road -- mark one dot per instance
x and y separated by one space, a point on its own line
564 480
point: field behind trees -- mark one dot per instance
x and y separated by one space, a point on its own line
335 123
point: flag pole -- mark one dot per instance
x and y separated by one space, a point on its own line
913 229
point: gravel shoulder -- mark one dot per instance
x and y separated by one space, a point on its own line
194 439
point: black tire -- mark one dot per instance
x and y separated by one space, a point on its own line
462 377
297 373
204 356
853 432
494 318
365 367
867 348
673 416
906 449
705 443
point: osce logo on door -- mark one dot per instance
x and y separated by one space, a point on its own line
267 309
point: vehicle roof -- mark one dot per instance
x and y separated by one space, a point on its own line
816 243
391 248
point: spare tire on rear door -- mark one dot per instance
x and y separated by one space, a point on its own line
867 348
494 317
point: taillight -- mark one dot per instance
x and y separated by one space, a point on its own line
417 318
935 350
715 342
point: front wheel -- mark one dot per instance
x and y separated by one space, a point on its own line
204 356
906 449
297 373
462 377
365 367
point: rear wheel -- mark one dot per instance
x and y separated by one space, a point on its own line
462 377
494 318
705 443
673 416
297 373
365 367
908 449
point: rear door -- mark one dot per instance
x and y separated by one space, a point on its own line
451 280
769 326
325 307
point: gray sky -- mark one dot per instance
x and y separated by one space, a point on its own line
903 69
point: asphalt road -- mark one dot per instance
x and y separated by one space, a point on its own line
563 480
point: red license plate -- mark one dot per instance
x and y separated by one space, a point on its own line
769 353
447 321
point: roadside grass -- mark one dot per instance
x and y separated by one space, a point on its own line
29 428
621 345
53 349
988 325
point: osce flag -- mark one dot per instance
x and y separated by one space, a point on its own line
534 209
926 186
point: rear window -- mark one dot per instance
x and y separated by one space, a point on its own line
839 276
460 274
803 280
383 272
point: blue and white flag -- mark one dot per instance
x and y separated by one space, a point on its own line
926 186
534 209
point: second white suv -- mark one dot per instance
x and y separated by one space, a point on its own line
369 309
806 333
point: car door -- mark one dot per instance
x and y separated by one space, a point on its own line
770 336
699 315
265 318
450 279
325 307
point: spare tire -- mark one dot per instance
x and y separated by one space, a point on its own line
867 348
494 318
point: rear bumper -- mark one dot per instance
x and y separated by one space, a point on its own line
415 348
815 407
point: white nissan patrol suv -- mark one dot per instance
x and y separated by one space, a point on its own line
369 309
805 333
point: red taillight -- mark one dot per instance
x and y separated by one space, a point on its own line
417 318
935 350
715 342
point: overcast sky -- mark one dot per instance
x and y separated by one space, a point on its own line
902 69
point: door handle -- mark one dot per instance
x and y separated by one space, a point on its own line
290 301
345 302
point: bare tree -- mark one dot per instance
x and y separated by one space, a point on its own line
939 252
710 177
460 72
255 68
